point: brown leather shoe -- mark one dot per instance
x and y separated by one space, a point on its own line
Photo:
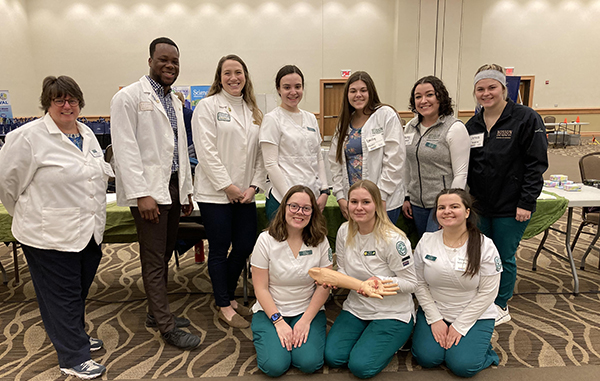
236 321
243 310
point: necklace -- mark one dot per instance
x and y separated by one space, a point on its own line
456 244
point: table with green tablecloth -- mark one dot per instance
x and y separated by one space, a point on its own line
120 227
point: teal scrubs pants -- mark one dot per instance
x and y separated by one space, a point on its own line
366 346
271 206
506 233
472 354
274 360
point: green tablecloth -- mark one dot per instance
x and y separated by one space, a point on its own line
547 212
120 227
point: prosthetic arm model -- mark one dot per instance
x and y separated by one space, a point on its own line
372 288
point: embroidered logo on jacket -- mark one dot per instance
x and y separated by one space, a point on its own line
401 247
498 263
504 134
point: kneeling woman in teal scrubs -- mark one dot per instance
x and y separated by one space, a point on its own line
368 332
458 272
289 323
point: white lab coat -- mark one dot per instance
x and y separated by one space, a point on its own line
384 166
227 150
299 149
143 144
55 192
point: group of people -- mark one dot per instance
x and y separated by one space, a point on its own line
54 181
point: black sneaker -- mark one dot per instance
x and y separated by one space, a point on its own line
181 339
180 322
95 344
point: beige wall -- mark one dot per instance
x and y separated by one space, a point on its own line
103 44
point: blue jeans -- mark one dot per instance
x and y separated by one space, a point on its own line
424 220
228 225
394 214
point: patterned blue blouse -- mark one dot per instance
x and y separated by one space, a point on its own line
353 152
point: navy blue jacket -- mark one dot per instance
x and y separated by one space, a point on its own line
506 172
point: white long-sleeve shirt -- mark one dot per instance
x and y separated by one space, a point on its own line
292 152
444 293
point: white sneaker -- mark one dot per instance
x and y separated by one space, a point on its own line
503 315
86 370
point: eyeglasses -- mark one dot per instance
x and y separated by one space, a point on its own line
294 208
61 102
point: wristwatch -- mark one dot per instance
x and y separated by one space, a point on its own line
256 189
276 316
326 191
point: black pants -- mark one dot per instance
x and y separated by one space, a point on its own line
62 281
157 242
228 225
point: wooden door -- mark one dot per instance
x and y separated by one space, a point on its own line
332 94
526 90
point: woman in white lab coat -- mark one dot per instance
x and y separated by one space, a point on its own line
368 144
54 180
291 144
230 170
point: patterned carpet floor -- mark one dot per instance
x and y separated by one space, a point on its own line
549 327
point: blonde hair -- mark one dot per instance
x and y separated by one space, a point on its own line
247 91
383 226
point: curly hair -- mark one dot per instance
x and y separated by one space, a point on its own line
441 93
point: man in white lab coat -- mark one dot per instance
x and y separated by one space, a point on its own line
153 178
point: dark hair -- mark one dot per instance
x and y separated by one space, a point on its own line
161 40
314 233
474 243
441 93
346 110
53 88
247 91
287 69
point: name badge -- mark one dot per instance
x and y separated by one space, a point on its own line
95 153
369 253
408 138
223 117
374 142
460 263
311 129
430 258
107 169
146 106
476 140
304 252
431 145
